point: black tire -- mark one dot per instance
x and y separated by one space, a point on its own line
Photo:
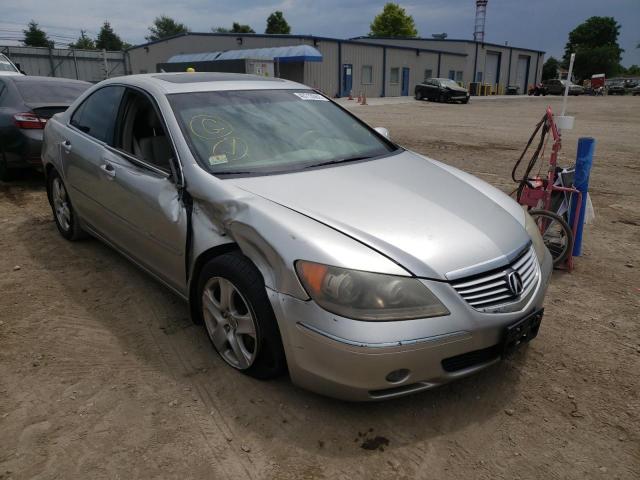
440 98
72 230
270 359
6 174
418 95
464 102
559 241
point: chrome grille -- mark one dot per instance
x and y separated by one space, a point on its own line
491 288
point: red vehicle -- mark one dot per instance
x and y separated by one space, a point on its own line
597 81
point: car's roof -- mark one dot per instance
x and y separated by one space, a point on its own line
184 82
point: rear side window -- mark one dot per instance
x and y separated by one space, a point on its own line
6 65
96 116
3 90
60 93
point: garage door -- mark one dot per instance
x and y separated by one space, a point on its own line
522 73
492 61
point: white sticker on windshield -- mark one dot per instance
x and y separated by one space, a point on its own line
311 96
218 159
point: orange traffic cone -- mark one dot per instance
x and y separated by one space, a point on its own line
364 99
359 97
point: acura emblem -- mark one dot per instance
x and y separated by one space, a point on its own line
514 281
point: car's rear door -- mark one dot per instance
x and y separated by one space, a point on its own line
84 151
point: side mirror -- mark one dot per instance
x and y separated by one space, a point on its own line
382 131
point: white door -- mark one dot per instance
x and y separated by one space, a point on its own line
491 68
522 73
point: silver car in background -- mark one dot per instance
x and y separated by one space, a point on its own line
303 239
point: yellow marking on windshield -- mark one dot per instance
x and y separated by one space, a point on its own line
233 148
209 127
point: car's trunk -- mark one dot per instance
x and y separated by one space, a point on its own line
46 110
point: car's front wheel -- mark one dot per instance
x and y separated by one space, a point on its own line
238 316
63 212
418 95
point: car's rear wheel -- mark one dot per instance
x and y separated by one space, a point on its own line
63 213
5 171
418 95
238 316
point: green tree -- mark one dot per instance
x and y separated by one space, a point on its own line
164 27
276 24
34 36
393 22
236 28
108 39
595 43
550 69
633 70
83 42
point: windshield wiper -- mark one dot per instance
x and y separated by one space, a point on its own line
340 160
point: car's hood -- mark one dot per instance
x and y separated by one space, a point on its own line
457 89
432 219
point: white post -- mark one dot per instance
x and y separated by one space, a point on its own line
106 66
566 87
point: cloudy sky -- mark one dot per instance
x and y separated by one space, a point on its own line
538 24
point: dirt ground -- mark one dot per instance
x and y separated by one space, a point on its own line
102 375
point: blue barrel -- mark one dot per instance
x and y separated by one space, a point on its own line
584 160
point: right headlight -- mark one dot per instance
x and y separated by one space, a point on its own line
534 232
368 296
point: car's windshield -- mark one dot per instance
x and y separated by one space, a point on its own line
269 131
60 92
445 82
5 65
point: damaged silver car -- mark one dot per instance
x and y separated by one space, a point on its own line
304 240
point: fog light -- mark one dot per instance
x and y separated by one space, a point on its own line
398 376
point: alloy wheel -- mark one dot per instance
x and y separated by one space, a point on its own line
230 322
61 204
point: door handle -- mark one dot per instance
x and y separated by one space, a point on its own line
108 169
66 145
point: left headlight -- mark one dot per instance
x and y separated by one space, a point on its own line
534 232
368 296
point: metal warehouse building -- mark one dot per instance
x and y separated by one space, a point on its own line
373 66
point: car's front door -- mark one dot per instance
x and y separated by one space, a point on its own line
432 89
142 196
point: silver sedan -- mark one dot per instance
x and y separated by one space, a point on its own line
304 240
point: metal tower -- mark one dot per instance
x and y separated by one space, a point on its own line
481 14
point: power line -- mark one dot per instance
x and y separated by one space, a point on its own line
75 29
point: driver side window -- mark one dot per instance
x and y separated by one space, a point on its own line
143 134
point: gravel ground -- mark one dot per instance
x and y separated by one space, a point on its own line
102 375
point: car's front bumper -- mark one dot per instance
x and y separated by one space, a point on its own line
351 359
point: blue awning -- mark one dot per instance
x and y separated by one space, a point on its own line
296 53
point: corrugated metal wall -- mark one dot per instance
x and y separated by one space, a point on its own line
145 58
360 56
507 73
86 65
417 55
324 75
